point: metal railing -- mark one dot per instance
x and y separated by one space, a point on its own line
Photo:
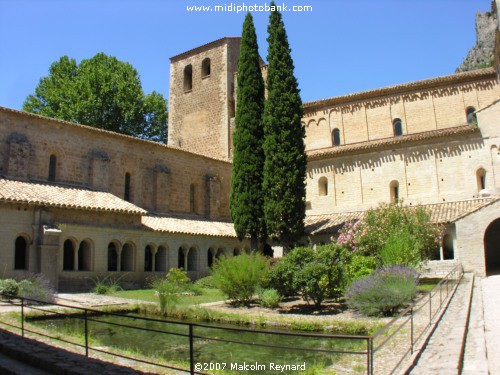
408 329
393 342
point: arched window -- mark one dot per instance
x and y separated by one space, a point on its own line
210 257
112 257
448 250
394 191
192 259
397 126
188 78
192 193
126 194
52 167
84 256
161 259
469 112
336 137
481 179
181 261
68 256
323 186
205 68
21 254
148 259
220 253
127 259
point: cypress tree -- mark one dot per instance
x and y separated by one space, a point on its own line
246 200
285 159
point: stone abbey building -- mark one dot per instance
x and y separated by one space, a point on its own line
77 202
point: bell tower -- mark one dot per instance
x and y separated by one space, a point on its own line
202 98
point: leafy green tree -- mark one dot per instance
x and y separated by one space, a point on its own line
102 92
246 200
285 159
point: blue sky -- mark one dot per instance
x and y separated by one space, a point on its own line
338 48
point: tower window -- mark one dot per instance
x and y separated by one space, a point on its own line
481 179
397 127
52 167
394 189
205 68
192 193
188 78
323 186
470 115
336 137
126 194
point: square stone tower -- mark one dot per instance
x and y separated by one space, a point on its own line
202 100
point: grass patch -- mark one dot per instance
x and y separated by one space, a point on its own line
148 295
426 284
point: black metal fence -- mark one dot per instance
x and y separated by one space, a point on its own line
198 348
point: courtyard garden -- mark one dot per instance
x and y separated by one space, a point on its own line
325 306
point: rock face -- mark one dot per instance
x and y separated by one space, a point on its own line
481 56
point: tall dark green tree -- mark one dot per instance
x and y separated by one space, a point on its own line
246 201
285 159
102 92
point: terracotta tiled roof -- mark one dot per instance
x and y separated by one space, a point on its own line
441 213
189 225
449 212
44 194
432 83
392 141
330 223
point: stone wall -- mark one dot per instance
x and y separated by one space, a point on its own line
160 176
369 116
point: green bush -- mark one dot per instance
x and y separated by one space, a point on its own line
206 283
384 292
324 276
9 287
282 274
169 289
240 276
369 235
359 266
401 248
314 274
168 294
269 298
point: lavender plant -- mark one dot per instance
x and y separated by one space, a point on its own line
384 292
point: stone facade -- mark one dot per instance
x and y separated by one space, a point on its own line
77 202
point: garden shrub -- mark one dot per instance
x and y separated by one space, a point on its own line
206 282
323 277
401 248
383 292
314 274
269 298
36 287
240 276
369 235
168 290
9 287
282 274
359 266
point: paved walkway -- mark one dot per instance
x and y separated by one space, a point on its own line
482 348
441 355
